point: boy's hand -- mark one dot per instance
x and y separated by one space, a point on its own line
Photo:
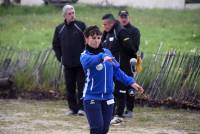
107 58
137 87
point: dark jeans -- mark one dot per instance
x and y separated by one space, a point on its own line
99 115
74 79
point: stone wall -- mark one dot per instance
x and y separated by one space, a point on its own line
169 4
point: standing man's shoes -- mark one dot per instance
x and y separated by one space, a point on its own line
70 112
128 114
81 112
116 120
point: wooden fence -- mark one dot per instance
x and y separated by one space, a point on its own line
171 75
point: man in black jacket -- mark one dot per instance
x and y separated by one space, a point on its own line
68 44
124 20
118 40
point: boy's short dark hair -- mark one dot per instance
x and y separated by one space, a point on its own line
108 16
92 30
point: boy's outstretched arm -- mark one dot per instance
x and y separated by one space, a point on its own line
125 79
88 61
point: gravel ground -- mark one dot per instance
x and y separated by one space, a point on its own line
48 117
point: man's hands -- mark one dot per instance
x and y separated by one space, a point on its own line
107 58
134 85
137 87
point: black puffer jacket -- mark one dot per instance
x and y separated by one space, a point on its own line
135 35
68 43
120 43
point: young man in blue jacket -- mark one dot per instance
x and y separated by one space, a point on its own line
100 67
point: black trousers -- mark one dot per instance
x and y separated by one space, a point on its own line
74 81
123 99
120 99
130 101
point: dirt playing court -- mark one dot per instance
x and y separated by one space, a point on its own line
48 117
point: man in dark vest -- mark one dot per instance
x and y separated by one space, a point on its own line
123 17
118 40
68 44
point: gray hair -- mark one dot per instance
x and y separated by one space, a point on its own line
66 8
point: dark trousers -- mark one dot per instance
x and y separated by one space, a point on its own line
74 79
122 99
99 115
130 101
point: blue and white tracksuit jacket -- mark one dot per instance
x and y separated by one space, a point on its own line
99 75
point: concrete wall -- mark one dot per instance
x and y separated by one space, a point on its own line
32 2
192 6
172 4
29 2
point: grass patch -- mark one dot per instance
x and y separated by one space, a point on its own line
32 27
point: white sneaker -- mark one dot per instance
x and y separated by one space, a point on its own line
128 114
81 112
116 120
70 112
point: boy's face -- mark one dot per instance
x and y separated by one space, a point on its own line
94 41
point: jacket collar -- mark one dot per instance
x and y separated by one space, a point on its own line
69 24
94 50
128 25
114 26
